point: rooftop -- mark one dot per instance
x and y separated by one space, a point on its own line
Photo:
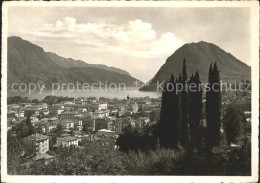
70 112
105 130
53 119
68 138
55 107
101 111
37 137
43 156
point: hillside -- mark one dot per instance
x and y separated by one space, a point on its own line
69 62
198 57
28 62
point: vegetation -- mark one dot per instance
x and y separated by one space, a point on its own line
153 116
25 128
136 138
50 100
234 122
96 159
17 100
101 160
14 149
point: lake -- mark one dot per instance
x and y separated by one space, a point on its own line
131 91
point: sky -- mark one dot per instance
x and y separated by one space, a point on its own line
137 40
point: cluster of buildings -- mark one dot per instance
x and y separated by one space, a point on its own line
93 120
84 119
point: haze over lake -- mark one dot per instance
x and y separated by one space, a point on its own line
131 91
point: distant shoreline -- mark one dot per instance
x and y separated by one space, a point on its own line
131 91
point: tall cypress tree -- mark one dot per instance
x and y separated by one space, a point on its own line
184 122
198 99
163 118
174 113
169 119
179 96
191 106
216 104
209 107
195 111
213 107
31 129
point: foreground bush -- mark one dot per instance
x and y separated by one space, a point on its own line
102 160
158 162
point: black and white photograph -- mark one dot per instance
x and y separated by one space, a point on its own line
113 91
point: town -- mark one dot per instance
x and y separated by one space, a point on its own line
63 121
81 120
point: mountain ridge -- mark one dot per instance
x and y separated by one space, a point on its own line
29 63
70 62
198 57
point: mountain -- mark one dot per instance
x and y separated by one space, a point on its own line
69 62
29 63
198 57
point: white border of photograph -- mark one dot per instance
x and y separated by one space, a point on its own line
254 9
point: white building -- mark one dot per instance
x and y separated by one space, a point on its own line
67 141
38 143
105 132
101 113
98 106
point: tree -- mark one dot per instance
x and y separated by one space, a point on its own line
17 100
22 130
85 128
184 111
117 115
163 117
140 109
39 130
36 101
50 100
135 138
153 116
129 139
169 116
14 151
31 129
234 120
25 128
173 136
59 130
52 141
195 110
209 108
213 107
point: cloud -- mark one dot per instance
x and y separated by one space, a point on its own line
134 37
137 31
